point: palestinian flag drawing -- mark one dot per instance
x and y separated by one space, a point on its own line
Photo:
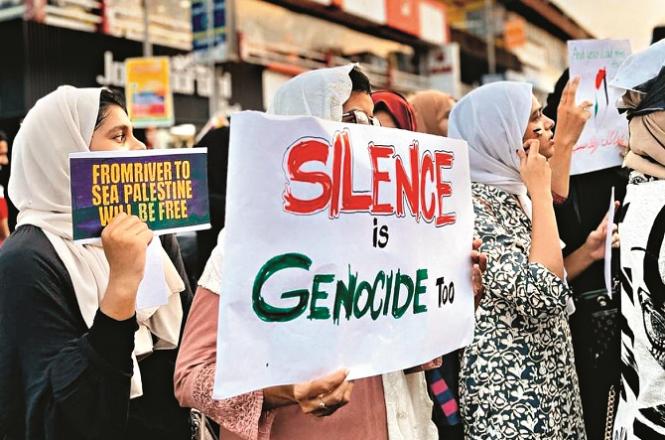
601 80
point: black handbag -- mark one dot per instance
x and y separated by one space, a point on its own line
603 312
602 347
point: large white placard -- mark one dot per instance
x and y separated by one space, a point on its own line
596 62
346 246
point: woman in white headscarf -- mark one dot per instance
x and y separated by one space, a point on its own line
76 358
395 406
518 376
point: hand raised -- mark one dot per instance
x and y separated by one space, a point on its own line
534 169
571 117
125 240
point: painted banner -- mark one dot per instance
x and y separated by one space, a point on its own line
596 62
167 189
148 91
345 246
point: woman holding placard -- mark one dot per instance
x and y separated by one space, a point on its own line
77 360
393 406
518 377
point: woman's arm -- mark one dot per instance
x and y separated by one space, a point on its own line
545 243
533 290
247 415
70 382
195 375
592 250
571 119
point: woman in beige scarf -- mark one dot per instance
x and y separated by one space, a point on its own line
432 111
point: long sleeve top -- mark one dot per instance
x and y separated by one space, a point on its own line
244 417
61 380
518 376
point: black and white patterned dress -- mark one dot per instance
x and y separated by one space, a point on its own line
518 378
641 412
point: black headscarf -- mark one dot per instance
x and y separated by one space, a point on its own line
652 98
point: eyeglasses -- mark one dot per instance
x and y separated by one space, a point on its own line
360 117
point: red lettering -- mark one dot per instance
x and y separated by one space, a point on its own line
338 141
303 151
351 201
377 152
427 168
443 159
423 187
406 187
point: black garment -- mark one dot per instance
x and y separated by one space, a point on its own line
585 208
59 380
217 142
587 204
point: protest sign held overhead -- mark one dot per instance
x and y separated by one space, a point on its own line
345 246
596 62
167 189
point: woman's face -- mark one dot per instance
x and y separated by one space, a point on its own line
540 128
359 101
115 133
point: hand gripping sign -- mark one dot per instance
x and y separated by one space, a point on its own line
345 246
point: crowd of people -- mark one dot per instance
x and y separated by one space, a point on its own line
78 361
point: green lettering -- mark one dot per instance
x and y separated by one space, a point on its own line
344 296
421 275
270 313
357 312
398 311
389 289
381 276
314 311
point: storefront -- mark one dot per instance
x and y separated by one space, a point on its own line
42 57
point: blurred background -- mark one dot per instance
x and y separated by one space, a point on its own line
232 55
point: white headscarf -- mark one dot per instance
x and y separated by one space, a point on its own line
321 93
60 123
640 67
645 154
492 119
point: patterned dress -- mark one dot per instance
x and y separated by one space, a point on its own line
518 378
641 412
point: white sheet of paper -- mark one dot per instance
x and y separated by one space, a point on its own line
597 147
283 270
608 246
153 290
